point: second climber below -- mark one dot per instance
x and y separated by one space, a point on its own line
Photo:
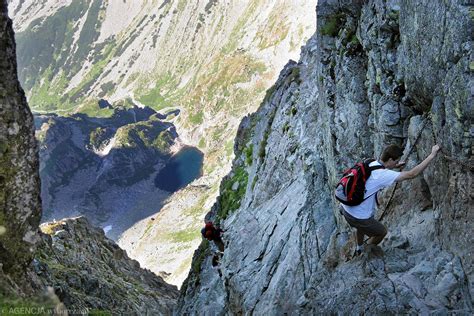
212 233
361 216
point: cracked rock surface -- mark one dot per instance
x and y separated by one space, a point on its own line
375 73
19 177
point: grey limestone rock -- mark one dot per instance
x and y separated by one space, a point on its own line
376 72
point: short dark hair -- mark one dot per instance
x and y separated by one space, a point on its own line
391 151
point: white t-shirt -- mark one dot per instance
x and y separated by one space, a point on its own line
378 180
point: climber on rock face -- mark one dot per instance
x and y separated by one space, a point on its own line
361 216
212 233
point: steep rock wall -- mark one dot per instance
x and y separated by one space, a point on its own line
20 205
375 73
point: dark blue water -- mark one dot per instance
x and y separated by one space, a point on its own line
181 170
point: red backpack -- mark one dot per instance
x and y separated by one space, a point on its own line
351 188
210 232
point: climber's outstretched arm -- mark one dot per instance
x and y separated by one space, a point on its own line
410 174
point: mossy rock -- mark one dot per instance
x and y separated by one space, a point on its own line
333 24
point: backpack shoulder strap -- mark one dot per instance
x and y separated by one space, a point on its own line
372 168
369 160
376 168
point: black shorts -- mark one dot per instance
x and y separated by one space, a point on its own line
370 226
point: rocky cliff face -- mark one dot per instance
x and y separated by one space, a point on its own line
376 72
19 178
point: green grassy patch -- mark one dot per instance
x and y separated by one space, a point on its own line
92 109
294 110
203 252
198 209
150 134
149 225
77 94
202 143
165 92
294 75
269 93
229 200
229 148
47 96
196 119
239 29
249 155
255 179
154 99
96 136
107 87
184 266
181 5
263 145
183 236
285 128
275 31
220 86
355 40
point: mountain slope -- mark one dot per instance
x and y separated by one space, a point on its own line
210 59
375 73
106 52
90 272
